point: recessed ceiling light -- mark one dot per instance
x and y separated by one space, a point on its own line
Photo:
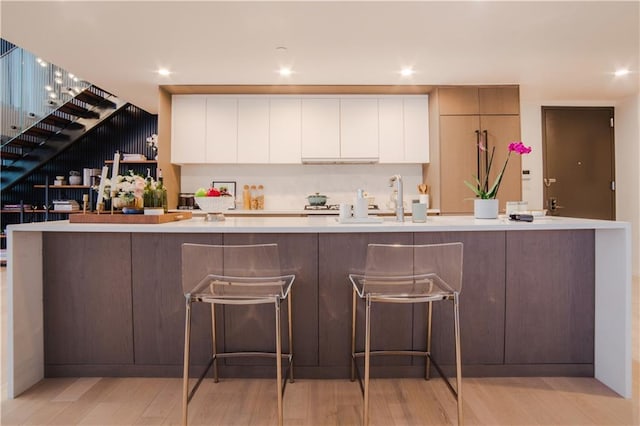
58 74
52 95
48 88
407 72
621 72
164 71
58 80
285 72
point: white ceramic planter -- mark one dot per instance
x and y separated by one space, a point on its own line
485 208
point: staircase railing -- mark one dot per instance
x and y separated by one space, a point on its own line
31 89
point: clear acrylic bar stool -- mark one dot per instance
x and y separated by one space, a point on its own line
408 274
235 275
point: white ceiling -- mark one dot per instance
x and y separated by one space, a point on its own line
557 50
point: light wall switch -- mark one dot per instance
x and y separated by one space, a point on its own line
526 174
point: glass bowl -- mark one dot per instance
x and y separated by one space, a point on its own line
215 206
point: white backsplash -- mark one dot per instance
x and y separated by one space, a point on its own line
287 186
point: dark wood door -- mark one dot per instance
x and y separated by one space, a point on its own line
579 161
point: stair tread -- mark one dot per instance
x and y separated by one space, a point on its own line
92 98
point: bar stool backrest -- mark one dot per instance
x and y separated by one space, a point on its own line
393 260
200 260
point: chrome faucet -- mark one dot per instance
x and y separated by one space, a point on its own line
399 199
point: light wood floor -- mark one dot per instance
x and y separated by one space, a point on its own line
487 401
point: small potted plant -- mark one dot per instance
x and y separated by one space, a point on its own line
486 204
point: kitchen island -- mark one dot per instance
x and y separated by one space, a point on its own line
552 297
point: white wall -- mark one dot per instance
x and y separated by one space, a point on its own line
627 146
287 186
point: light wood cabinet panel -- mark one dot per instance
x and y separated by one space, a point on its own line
458 161
188 130
479 100
458 100
501 131
222 130
285 131
253 130
320 128
499 100
358 128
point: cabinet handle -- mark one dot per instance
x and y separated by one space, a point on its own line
478 156
486 156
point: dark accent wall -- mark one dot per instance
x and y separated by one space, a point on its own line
126 131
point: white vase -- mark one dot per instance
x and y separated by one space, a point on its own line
485 208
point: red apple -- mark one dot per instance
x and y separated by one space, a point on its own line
212 192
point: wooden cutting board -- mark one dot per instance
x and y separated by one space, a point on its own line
107 217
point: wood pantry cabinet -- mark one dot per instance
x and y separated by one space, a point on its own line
466 116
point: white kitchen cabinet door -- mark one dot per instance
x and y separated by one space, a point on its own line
416 129
253 130
285 131
320 128
359 128
188 131
222 130
391 128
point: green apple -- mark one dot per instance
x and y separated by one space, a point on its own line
201 192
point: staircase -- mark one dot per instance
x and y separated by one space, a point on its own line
51 134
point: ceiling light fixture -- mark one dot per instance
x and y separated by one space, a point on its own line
58 74
285 72
164 72
407 72
621 72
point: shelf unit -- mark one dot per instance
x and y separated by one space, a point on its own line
47 198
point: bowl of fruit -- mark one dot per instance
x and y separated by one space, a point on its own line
214 202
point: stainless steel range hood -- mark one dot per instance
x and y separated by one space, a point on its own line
363 160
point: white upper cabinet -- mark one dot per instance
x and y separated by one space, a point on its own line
359 128
285 130
391 125
320 128
404 129
222 130
416 129
188 129
253 130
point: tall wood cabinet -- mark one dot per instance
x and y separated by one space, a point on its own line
467 115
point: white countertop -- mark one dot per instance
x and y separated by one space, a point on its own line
326 224
299 212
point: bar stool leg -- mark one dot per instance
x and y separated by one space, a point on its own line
214 343
289 314
367 360
353 336
456 316
279 362
428 360
185 371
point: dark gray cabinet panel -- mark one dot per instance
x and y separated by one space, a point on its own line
550 297
159 303
391 327
481 301
252 327
87 298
